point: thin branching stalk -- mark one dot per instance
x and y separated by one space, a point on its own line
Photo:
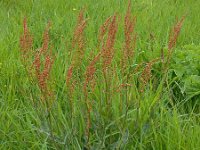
26 53
70 89
26 45
173 40
43 61
78 42
89 79
127 53
107 56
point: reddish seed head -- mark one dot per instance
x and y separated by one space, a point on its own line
45 44
43 75
78 40
37 64
81 16
130 40
43 67
130 36
146 74
108 47
89 81
47 66
26 41
174 34
103 29
90 71
69 75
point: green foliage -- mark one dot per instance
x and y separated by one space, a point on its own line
186 66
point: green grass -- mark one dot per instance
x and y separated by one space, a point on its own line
160 121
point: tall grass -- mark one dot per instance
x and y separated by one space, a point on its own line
100 91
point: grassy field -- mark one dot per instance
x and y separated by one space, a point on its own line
69 79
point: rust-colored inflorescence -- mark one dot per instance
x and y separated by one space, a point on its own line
70 88
78 41
46 38
43 75
26 42
43 67
130 41
173 39
103 29
69 76
89 79
70 83
38 64
174 34
129 32
146 74
90 71
108 46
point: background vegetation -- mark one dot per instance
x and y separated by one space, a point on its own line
148 105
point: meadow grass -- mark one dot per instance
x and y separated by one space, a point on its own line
135 108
